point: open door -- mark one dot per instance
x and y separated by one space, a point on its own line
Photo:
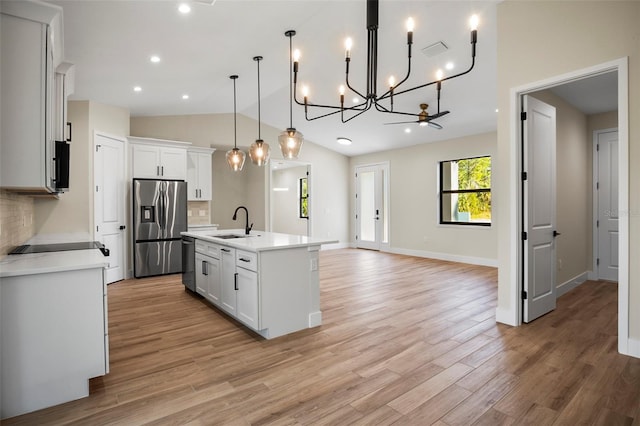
372 206
539 209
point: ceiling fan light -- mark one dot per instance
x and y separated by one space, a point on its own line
235 159
259 152
290 143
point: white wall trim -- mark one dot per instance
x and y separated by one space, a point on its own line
633 346
482 261
572 283
336 246
512 310
505 316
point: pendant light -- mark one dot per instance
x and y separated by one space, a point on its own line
259 150
235 157
290 140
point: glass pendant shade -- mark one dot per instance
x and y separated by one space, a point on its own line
235 158
259 152
290 143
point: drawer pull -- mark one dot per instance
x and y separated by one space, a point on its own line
225 250
244 260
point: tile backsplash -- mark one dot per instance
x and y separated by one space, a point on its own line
16 220
198 213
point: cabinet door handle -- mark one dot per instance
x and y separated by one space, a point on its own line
235 281
204 268
161 170
69 126
157 170
225 250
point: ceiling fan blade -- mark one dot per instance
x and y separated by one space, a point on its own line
402 122
434 125
438 115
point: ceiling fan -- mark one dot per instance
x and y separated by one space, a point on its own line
424 119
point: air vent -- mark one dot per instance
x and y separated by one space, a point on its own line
435 49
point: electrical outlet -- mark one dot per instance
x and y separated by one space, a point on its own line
202 213
189 213
314 265
559 264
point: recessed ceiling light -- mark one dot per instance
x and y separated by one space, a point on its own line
496 109
185 96
449 66
407 130
137 89
184 8
343 141
155 59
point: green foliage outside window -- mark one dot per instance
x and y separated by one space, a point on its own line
304 199
475 173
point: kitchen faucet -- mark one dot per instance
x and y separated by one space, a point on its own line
247 227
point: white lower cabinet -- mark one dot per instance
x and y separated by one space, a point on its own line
208 277
227 278
247 297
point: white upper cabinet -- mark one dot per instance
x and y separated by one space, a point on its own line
30 51
158 159
199 174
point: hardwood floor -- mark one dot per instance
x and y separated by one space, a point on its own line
404 341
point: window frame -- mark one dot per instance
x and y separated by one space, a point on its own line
302 199
442 192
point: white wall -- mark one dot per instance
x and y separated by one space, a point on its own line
330 206
414 201
537 41
73 212
286 204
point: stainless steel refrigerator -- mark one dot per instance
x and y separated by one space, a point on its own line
159 215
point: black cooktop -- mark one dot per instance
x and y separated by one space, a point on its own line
43 248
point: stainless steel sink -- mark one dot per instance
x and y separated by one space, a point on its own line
229 236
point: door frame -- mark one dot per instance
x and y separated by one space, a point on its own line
594 195
512 315
386 185
125 204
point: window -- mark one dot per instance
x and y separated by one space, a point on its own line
465 191
304 199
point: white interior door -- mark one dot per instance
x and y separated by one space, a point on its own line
109 201
607 196
372 206
539 149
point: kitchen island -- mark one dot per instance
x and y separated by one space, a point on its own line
267 281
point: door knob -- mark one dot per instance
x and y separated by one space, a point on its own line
555 233
122 227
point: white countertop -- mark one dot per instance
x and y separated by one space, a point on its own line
58 261
208 225
258 240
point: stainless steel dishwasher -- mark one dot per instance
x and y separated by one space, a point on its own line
189 263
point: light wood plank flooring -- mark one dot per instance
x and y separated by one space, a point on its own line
404 341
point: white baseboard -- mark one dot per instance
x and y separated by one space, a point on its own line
506 316
592 276
335 246
482 261
633 348
569 285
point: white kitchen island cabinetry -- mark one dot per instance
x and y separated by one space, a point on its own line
199 173
54 328
158 159
269 282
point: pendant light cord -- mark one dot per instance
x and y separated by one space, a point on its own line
290 81
235 132
258 59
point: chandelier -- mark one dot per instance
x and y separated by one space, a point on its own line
370 95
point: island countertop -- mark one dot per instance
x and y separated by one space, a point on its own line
258 240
